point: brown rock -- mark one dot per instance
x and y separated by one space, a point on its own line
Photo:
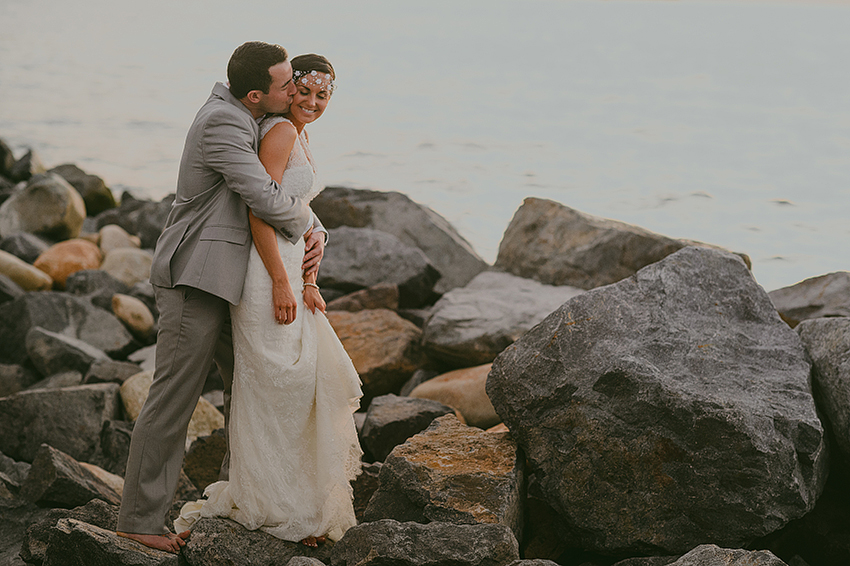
202 462
135 315
465 391
62 259
383 296
383 346
29 278
452 473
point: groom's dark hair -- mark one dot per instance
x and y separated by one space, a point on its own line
248 68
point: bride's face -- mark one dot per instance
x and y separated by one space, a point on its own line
311 98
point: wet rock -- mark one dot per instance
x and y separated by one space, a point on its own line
62 259
205 419
827 341
96 512
128 265
557 245
64 314
51 352
68 419
391 420
9 290
23 274
414 224
381 296
472 325
824 296
464 390
391 543
143 218
220 542
358 258
135 315
452 473
709 555
48 206
24 245
97 286
94 191
71 539
668 409
58 480
28 166
383 346
364 486
14 378
202 463
110 371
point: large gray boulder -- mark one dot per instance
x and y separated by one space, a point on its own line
823 296
412 223
471 325
667 410
358 258
68 419
15 377
391 420
96 285
391 543
52 353
64 314
558 245
452 473
828 342
222 542
48 206
58 480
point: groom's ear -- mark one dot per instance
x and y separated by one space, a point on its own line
254 96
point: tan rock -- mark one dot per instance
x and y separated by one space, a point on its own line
112 237
501 427
68 257
464 390
383 296
452 473
205 418
28 277
47 206
383 346
135 315
129 265
114 481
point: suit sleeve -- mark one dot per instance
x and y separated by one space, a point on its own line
229 150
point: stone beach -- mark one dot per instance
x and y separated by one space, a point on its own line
601 395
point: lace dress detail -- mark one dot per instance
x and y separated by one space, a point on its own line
294 447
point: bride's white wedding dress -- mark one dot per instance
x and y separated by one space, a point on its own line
293 441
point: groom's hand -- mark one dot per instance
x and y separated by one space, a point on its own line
314 251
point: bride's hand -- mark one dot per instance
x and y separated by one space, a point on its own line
313 299
284 302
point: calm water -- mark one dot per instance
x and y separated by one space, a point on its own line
726 122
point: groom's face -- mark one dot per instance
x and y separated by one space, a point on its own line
281 90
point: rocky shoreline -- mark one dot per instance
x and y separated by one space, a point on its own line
601 395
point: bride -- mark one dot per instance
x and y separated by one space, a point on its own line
294 447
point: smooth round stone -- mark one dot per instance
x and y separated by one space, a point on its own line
129 265
29 278
112 237
465 391
135 315
47 206
68 257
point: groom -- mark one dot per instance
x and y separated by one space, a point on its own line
198 270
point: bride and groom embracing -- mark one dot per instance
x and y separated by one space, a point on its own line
234 274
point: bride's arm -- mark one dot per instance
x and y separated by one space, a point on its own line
275 148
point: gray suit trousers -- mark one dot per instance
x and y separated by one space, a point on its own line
194 331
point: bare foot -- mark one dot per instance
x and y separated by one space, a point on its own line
167 543
310 541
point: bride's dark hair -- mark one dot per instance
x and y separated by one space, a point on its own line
313 62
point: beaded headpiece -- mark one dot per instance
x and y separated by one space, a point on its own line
315 78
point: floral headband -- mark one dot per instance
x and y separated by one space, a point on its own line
315 78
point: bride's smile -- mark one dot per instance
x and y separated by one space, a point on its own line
311 98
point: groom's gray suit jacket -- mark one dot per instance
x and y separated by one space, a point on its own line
207 236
